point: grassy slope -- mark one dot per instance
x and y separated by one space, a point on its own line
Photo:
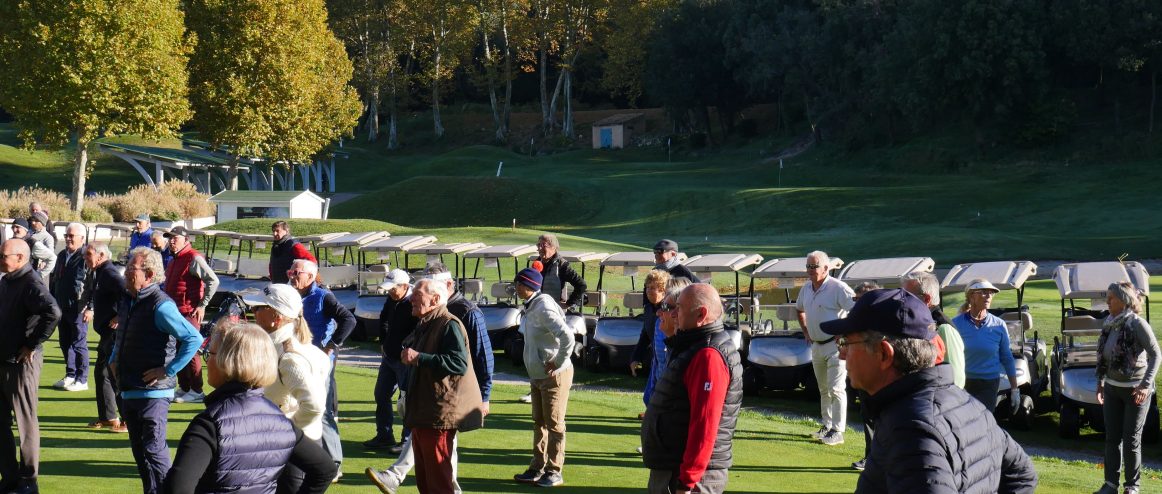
772 453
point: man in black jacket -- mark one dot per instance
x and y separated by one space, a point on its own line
104 288
28 315
284 252
396 322
67 284
931 436
666 258
556 273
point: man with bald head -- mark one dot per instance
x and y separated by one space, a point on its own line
697 399
28 315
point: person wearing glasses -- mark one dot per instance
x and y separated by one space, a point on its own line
154 341
931 436
303 369
687 433
28 315
191 284
825 299
67 284
987 355
1127 363
284 251
666 260
242 442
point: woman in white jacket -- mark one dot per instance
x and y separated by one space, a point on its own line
303 369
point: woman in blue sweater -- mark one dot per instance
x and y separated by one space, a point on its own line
987 355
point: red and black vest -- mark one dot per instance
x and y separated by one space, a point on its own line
180 284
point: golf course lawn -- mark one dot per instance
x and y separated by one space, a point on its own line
771 452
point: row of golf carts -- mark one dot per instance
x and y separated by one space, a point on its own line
1056 374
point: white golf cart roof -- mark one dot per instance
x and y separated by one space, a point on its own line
453 248
633 259
352 239
576 256
721 263
256 237
320 237
501 251
1091 279
397 244
789 272
1005 275
887 271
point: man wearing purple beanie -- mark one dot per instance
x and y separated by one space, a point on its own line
548 344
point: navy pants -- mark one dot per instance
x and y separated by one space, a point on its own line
331 441
146 419
74 340
391 377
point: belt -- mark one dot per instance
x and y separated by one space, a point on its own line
824 342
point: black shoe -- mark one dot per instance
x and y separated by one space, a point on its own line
26 486
529 476
859 465
379 442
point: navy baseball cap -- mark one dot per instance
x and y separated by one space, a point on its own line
892 312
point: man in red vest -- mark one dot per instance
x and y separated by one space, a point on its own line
191 284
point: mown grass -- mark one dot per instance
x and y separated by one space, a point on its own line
771 451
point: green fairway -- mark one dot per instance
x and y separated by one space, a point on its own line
771 451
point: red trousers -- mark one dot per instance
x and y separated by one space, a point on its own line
190 377
433 451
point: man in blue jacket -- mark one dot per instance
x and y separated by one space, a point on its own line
153 343
931 436
67 284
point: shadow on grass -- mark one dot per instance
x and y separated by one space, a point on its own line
89 469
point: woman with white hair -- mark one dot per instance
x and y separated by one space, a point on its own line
243 442
1127 362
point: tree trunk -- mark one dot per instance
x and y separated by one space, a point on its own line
556 97
80 165
232 173
392 133
490 77
567 119
507 113
438 126
373 116
546 117
1153 97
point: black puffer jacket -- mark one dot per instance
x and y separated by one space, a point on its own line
28 313
933 437
557 273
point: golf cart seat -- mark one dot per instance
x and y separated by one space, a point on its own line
503 289
595 299
253 268
787 312
224 266
340 276
634 301
1025 318
472 288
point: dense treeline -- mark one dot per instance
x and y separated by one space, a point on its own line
861 71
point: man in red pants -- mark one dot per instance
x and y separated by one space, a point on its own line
191 284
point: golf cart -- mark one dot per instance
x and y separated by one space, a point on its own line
1073 378
582 324
780 358
1030 356
374 262
502 312
343 278
737 313
616 334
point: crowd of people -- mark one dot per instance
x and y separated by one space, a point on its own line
927 385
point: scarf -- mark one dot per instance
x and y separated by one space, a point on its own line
1124 357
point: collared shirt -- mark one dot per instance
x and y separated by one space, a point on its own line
831 301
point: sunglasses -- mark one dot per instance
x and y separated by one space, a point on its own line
667 307
814 266
842 342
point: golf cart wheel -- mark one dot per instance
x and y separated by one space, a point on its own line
1069 424
1024 416
752 381
595 360
1150 430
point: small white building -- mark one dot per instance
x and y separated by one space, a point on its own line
241 204
615 132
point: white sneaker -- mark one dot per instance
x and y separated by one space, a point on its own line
64 382
192 397
833 438
527 398
77 386
179 396
820 433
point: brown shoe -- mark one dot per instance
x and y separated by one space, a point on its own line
119 427
101 424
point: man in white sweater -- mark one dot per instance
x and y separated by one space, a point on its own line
548 345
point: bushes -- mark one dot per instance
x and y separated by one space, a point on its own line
174 200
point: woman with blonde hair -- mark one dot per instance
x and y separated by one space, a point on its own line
1127 363
655 292
243 442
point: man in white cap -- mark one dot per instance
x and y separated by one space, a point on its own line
395 323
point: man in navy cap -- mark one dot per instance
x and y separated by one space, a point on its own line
548 345
931 436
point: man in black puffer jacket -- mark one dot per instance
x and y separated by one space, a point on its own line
931 436
688 429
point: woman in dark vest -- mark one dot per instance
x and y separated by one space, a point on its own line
242 441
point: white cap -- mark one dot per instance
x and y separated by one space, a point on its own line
395 277
284 299
981 285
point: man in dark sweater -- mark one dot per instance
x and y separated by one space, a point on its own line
284 251
930 435
666 258
28 315
104 288
395 323
67 284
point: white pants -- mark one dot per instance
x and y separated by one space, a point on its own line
407 460
831 376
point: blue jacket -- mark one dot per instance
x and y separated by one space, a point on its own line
141 239
330 322
67 281
479 346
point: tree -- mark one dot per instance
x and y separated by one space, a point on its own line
269 79
497 23
442 30
80 69
630 22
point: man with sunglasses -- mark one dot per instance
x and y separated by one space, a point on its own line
824 299
931 436
67 284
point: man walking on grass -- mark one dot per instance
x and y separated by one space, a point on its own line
28 315
688 429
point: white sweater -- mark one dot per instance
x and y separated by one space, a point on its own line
547 336
301 388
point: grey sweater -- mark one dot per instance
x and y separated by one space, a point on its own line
1145 347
